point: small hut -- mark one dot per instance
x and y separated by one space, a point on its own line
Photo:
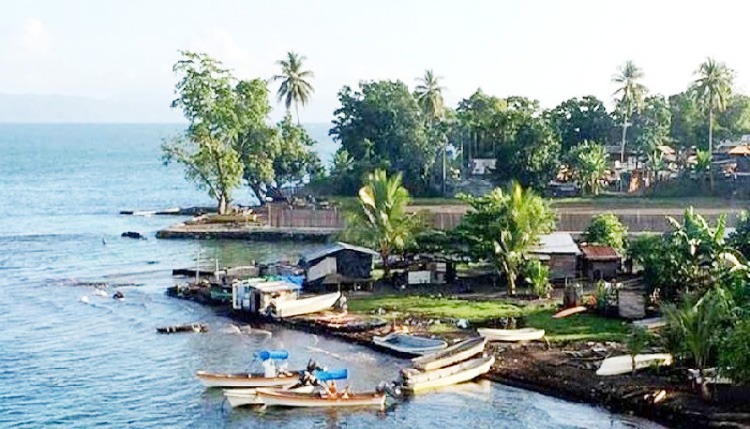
349 264
600 262
255 295
560 253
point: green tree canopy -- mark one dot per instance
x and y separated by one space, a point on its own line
381 126
217 114
503 226
589 163
606 229
577 120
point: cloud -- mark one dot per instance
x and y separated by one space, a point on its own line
219 44
29 40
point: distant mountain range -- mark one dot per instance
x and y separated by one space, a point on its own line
34 108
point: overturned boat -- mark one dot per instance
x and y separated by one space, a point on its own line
414 381
295 307
511 335
409 344
456 353
624 364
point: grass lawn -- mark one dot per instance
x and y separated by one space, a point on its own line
575 328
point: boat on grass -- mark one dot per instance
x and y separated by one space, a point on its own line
190 327
285 398
624 364
295 307
456 353
569 312
651 324
415 381
511 335
409 344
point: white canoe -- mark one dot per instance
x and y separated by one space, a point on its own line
241 397
416 381
244 379
624 364
283 398
409 344
296 307
508 335
458 352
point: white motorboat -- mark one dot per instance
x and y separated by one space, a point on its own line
409 344
415 381
456 353
295 307
511 335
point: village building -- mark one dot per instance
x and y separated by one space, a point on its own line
600 262
559 252
336 265
256 295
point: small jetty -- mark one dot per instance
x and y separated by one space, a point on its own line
175 211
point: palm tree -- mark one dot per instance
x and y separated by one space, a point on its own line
712 89
294 87
503 226
429 96
631 96
589 162
380 219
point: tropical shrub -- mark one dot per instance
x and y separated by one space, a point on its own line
606 229
734 355
536 276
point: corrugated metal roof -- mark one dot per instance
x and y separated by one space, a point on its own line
599 253
333 248
272 286
557 243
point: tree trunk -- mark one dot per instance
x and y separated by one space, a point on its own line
622 147
222 209
445 145
386 266
711 147
632 361
511 274
296 109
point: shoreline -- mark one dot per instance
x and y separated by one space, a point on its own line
550 370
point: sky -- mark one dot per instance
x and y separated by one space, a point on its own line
123 51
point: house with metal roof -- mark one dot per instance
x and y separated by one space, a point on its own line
600 262
560 253
337 264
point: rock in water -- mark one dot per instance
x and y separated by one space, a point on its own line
132 234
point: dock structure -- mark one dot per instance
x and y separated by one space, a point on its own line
249 232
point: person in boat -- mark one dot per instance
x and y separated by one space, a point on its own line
329 390
269 368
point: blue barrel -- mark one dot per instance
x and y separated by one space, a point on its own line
331 374
272 354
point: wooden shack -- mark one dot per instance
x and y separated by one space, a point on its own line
349 264
600 262
559 252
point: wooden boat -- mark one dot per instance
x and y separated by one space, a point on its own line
652 324
409 344
190 327
456 353
415 381
244 379
284 398
510 335
351 323
569 312
242 397
624 364
296 307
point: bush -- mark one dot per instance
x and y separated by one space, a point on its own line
536 276
734 356
606 229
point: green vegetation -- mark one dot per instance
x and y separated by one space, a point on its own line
631 97
577 328
380 220
740 238
536 276
589 163
295 87
606 229
503 226
636 342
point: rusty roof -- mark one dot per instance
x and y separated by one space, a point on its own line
594 252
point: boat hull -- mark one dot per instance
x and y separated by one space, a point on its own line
618 365
451 355
297 307
459 373
248 397
511 335
408 344
210 379
281 398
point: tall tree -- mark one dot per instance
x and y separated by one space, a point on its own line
381 126
631 93
295 86
502 227
589 163
429 95
207 95
576 120
713 89
379 219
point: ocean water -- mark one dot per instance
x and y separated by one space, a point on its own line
73 359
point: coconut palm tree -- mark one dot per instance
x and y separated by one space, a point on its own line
295 86
631 93
589 162
713 89
429 96
380 219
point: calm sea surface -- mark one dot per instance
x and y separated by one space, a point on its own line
73 364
